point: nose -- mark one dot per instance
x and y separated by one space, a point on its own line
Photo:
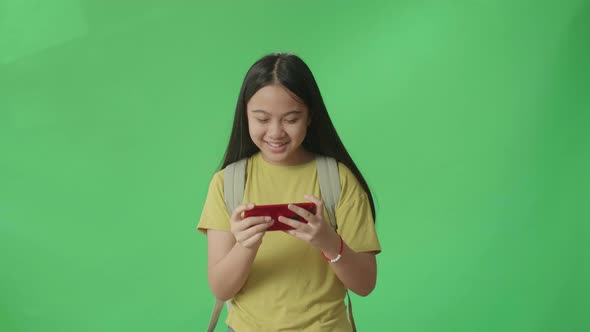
276 130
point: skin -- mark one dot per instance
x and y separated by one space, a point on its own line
275 115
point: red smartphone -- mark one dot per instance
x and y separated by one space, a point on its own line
276 210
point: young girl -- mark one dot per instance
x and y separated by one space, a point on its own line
288 280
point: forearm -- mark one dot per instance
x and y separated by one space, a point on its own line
357 271
228 276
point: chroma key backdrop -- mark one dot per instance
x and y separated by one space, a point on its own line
470 120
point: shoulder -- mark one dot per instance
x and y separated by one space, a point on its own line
345 173
216 183
219 176
351 187
347 177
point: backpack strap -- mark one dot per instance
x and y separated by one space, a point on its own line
329 185
350 316
234 179
217 307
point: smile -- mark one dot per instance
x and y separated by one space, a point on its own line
277 147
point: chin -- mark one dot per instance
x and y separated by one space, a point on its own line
277 157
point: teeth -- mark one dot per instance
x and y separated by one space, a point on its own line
275 145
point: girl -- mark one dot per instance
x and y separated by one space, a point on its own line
292 280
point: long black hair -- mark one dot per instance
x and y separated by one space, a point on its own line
292 73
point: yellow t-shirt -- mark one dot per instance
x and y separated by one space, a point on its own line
291 287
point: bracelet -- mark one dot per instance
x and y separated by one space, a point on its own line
339 254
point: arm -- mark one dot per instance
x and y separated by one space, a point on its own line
228 265
356 270
230 255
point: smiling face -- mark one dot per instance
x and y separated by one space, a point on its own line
277 123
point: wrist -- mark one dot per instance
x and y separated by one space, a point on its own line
334 251
331 245
251 250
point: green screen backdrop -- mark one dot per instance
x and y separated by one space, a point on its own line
469 119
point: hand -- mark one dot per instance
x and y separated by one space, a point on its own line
249 231
316 232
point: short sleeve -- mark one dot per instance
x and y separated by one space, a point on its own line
353 214
215 215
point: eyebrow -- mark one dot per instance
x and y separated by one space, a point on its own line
288 113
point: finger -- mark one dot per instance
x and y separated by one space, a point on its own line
237 214
249 232
296 234
252 221
253 240
318 202
293 223
302 212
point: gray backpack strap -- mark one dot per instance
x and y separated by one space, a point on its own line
330 188
350 317
234 181
215 315
329 185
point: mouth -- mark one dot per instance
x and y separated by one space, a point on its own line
276 147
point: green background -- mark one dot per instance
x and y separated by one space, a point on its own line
469 119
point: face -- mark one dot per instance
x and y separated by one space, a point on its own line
277 122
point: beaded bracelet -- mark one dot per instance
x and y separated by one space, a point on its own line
339 254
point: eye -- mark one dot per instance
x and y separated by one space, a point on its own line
262 120
292 120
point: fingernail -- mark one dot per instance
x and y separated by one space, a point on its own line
267 218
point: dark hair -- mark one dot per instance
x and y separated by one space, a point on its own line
292 73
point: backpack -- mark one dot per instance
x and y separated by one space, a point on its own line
234 185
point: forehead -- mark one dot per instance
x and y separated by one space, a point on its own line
275 99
